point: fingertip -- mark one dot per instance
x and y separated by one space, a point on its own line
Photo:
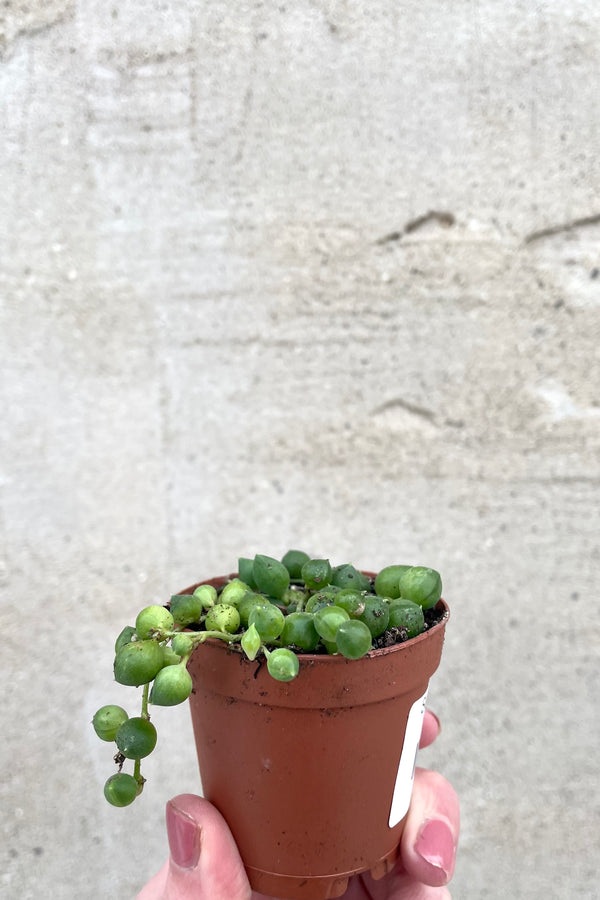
430 837
205 862
194 806
206 817
430 730
185 835
435 849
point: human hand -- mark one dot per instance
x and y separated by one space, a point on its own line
205 863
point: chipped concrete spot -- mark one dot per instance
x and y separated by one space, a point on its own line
434 216
561 405
569 258
399 415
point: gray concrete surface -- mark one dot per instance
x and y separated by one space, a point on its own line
321 274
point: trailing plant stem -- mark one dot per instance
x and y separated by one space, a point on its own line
144 713
198 637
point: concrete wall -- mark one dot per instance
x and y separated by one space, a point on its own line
320 274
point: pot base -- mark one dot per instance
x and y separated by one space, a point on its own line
319 887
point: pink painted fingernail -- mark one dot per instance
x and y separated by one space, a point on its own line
435 845
184 837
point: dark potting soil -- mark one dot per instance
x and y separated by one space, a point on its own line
399 636
392 636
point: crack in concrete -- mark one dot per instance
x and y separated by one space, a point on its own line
246 112
445 219
441 217
125 61
398 403
565 227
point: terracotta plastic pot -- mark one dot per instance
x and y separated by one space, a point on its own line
313 776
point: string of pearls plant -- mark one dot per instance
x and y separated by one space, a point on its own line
273 609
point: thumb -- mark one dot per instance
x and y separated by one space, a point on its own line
430 834
204 862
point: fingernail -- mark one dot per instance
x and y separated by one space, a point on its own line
184 837
435 845
439 724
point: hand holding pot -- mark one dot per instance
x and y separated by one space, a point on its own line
205 863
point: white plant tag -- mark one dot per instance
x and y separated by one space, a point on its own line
408 760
